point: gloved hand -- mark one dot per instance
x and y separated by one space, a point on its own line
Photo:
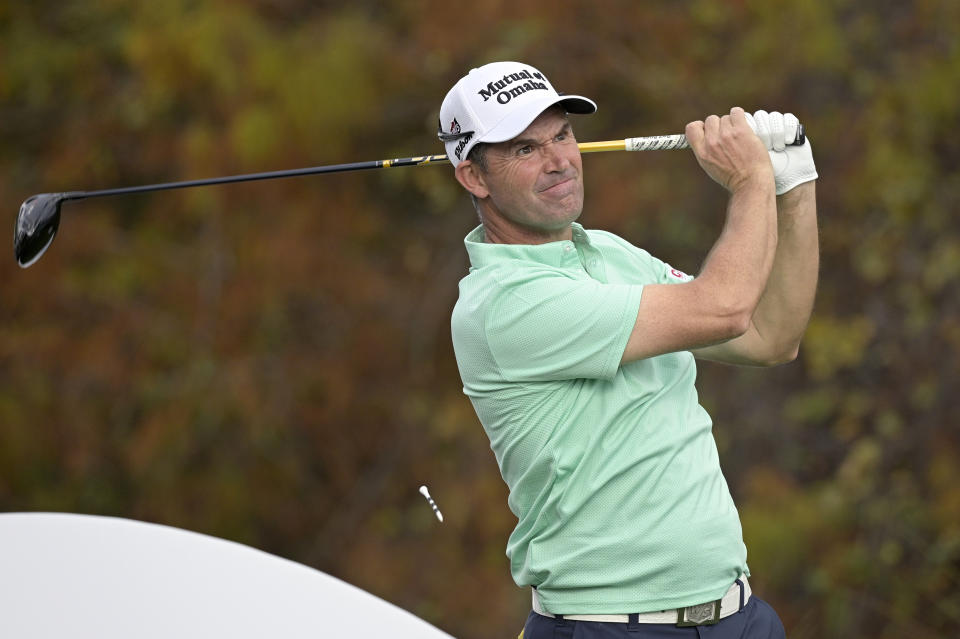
792 165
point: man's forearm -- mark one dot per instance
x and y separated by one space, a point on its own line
784 309
737 268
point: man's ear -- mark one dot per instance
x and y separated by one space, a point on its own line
472 179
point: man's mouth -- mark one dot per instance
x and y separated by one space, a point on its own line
558 186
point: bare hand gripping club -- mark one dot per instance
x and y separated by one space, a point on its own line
39 216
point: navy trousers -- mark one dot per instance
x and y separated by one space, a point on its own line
757 620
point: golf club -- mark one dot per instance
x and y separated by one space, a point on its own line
39 217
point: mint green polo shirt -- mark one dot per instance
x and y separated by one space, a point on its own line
613 471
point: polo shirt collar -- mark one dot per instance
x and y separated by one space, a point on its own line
552 253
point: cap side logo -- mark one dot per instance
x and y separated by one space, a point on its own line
464 141
454 126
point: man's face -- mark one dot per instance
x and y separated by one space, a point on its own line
534 182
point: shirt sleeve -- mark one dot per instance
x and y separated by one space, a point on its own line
671 275
555 327
662 272
666 274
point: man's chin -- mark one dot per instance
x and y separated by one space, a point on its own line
569 216
556 224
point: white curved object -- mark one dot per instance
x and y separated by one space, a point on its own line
80 576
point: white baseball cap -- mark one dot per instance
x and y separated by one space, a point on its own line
497 102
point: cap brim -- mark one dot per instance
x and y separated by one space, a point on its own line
519 119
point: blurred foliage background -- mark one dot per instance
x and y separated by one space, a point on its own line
271 362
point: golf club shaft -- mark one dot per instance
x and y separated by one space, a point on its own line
653 143
270 175
39 216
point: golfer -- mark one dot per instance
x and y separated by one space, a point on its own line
577 350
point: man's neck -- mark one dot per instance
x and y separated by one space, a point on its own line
498 233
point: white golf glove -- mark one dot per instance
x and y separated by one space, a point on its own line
792 165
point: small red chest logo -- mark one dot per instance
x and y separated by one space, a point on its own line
680 275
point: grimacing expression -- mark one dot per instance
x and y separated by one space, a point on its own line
535 180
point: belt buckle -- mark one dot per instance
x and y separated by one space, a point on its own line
706 614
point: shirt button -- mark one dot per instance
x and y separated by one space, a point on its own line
567 248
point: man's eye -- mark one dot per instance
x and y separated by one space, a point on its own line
525 150
561 137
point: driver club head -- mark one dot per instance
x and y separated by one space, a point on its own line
37 225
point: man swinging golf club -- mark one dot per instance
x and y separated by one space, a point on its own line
578 350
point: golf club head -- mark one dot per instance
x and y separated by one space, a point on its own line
37 225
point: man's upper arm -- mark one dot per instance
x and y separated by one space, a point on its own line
680 317
676 317
655 335
750 349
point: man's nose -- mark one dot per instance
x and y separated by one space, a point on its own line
554 158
